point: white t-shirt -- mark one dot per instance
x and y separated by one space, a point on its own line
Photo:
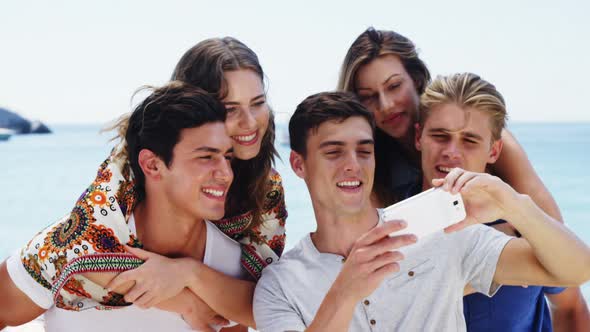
221 253
425 295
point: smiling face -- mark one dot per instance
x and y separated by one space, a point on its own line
339 165
199 175
455 137
384 86
247 112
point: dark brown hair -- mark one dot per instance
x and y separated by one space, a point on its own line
319 108
156 123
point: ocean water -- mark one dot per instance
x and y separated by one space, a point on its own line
41 176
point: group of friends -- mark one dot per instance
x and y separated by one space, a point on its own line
183 227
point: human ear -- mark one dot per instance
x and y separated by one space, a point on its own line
495 151
296 161
417 136
150 164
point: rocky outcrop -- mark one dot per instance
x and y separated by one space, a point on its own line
21 125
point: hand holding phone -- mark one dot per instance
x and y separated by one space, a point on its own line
427 212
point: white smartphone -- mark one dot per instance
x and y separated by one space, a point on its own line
427 212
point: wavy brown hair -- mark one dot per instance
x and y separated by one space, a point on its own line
367 47
204 66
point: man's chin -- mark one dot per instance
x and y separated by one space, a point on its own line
427 182
352 208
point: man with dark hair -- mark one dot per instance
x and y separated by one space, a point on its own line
341 277
179 154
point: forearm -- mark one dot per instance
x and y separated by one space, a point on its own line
575 320
514 167
16 308
334 314
563 255
179 303
229 297
569 311
237 328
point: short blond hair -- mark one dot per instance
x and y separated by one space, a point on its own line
465 90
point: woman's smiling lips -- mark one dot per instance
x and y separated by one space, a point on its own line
393 118
247 139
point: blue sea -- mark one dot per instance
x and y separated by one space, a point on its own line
41 176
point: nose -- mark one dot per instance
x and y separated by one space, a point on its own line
385 102
223 172
247 120
351 163
452 150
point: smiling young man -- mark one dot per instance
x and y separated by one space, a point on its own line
179 153
351 275
460 125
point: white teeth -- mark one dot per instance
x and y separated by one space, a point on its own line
245 138
216 193
348 184
445 169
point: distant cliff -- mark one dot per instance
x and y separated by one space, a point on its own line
21 125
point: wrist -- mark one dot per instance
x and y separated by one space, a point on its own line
340 297
335 312
519 210
194 278
190 269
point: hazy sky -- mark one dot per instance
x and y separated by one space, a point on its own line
80 61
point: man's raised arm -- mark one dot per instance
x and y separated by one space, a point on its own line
548 254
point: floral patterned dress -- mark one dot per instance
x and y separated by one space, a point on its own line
92 239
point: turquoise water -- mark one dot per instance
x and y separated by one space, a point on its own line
42 176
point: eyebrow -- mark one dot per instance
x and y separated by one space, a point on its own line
384 82
366 142
251 100
447 131
473 135
340 143
212 150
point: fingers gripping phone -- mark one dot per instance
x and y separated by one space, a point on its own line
427 212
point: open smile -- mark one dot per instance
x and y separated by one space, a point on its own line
445 169
214 193
247 139
351 186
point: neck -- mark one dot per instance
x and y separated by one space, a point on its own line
163 231
336 234
426 184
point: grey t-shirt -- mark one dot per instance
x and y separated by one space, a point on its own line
425 295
